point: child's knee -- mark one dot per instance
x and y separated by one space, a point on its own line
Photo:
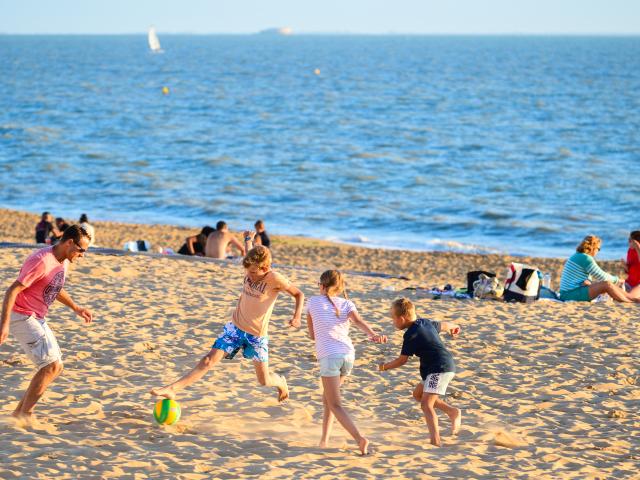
207 361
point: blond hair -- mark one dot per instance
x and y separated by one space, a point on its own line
590 245
334 284
259 256
402 307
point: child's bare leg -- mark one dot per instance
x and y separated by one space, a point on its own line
431 417
454 414
417 392
204 365
327 420
331 387
269 379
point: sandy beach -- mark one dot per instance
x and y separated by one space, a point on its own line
548 390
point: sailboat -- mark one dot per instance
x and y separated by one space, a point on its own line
154 43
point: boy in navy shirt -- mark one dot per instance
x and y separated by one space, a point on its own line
422 338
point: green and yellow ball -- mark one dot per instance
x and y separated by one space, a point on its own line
167 412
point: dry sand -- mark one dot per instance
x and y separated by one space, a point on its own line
548 390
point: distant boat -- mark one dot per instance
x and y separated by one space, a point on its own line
277 31
154 43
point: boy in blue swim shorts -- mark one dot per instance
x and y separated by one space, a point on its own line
248 327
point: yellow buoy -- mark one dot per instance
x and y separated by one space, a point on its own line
317 71
165 90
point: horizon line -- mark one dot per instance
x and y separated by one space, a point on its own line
325 33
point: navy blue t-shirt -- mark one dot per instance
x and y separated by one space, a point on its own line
423 340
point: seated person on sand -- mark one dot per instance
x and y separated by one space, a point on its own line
219 240
632 265
262 238
46 230
583 280
195 244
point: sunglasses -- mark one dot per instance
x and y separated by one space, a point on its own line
80 249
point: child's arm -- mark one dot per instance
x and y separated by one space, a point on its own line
295 292
398 362
249 239
312 334
364 326
451 328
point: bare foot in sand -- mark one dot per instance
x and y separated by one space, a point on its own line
456 421
323 444
166 392
363 445
283 391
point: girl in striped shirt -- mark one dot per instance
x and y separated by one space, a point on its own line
328 318
583 280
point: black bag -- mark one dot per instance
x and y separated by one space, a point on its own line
475 275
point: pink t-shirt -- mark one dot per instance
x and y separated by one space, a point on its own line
43 275
331 331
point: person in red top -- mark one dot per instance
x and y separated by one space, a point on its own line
632 265
25 306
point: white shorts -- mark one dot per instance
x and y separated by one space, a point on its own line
337 365
36 338
437 382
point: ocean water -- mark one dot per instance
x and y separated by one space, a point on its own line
508 144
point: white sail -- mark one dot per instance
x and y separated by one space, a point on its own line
154 43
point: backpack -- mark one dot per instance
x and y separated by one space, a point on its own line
523 284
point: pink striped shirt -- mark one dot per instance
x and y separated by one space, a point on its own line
331 331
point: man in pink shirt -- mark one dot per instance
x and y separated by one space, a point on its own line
26 304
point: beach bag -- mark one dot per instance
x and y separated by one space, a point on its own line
487 287
473 277
137 246
523 284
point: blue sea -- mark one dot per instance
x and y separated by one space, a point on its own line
509 144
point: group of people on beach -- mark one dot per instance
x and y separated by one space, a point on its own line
328 314
217 242
50 231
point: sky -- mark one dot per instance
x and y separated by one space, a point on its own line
619 17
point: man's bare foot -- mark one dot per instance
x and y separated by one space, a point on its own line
456 421
283 391
24 420
435 443
323 444
363 445
166 392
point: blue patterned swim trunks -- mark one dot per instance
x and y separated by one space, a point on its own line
253 347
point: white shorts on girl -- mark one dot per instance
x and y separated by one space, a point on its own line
36 339
437 382
337 365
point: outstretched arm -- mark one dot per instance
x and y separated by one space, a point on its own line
364 326
7 306
451 328
236 243
249 239
398 362
296 293
64 298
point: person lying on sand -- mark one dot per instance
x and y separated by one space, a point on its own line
422 338
26 304
580 270
219 240
328 318
248 326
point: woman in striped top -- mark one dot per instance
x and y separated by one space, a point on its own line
328 318
583 280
